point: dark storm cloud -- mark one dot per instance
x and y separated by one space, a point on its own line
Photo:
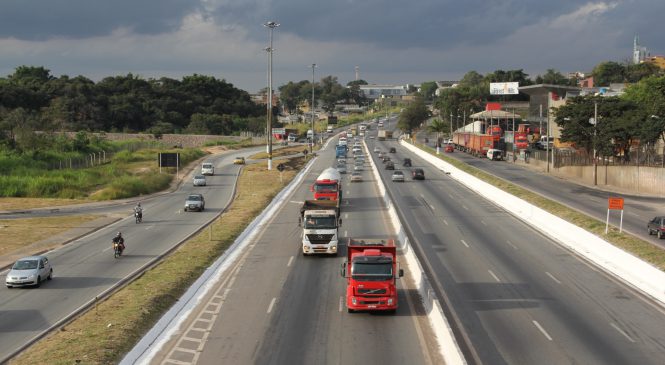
45 19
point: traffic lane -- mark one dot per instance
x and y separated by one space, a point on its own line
527 292
307 310
638 210
85 268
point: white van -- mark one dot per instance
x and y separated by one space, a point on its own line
494 154
207 169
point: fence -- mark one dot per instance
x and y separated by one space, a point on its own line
99 158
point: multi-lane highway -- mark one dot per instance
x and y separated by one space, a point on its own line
277 306
85 269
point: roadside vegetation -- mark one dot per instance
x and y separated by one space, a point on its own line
109 330
638 247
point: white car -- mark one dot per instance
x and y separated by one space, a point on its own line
356 176
207 169
397 176
31 270
199 180
377 149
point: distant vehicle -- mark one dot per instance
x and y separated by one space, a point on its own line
494 154
392 150
358 166
292 137
340 151
544 142
384 134
397 176
239 161
29 271
341 160
341 167
385 158
390 165
656 226
310 134
377 149
329 129
320 222
407 162
418 174
328 185
449 148
199 180
356 176
207 168
195 202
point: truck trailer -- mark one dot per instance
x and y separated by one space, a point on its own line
320 222
328 186
384 134
371 271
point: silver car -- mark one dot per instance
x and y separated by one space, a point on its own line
356 177
195 202
199 180
31 270
397 176
341 168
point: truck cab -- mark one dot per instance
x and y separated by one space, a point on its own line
371 270
328 186
320 222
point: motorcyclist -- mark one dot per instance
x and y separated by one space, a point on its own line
139 210
120 241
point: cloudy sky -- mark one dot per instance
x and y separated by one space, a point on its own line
390 41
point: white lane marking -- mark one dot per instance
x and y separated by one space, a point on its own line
542 330
494 276
483 222
346 233
511 244
346 216
422 196
290 261
149 227
622 332
464 206
634 214
295 201
106 249
552 277
445 222
272 304
341 303
431 206
465 244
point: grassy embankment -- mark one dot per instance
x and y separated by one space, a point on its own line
640 248
105 333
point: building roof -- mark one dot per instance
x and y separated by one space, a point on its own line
500 114
545 88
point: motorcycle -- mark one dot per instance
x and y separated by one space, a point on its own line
139 217
117 250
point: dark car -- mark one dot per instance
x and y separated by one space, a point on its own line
407 162
657 226
390 165
418 174
385 159
392 150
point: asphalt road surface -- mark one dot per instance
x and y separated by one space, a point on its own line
84 269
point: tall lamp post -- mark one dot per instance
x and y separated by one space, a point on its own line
594 121
311 143
270 25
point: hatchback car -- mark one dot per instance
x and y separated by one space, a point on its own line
239 161
199 180
418 174
407 162
195 202
397 176
449 148
392 150
356 176
377 149
29 271
657 226
390 165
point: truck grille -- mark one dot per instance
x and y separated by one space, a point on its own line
319 239
372 291
371 302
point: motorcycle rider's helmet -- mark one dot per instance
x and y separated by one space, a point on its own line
138 205
119 234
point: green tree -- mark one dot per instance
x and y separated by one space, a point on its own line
413 115
649 95
609 72
440 127
472 78
331 93
635 73
427 89
552 77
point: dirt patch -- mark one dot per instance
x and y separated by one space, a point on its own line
214 149
32 203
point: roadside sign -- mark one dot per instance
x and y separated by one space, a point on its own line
279 131
615 203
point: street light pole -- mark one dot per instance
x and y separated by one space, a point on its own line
271 25
311 144
595 162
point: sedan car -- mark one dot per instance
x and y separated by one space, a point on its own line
356 176
239 161
449 148
657 226
390 165
195 202
385 159
29 271
199 180
397 176
407 162
418 174
377 149
341 168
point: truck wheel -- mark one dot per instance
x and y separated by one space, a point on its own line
649 231
50 275
660 235
391 312
349 310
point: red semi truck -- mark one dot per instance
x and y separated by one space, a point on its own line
328 186
371 270
474 143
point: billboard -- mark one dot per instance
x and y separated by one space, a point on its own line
504 88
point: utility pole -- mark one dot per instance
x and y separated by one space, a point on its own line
595 162
311 144
271 25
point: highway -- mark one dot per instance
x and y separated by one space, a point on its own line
638 210
278 307
86 268
519 297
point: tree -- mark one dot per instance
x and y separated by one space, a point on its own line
413 115
635 73
355 94
439 127
606 73
552 77
649 95
427 89
331 93
471 78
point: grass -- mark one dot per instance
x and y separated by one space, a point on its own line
282 152
638 247
31 203
18 233
105 333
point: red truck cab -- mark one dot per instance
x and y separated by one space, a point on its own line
328 186
371 271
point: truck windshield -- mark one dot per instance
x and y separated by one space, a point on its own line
365 271
325 187
320 222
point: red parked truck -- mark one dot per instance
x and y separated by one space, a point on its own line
371 271
328 186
